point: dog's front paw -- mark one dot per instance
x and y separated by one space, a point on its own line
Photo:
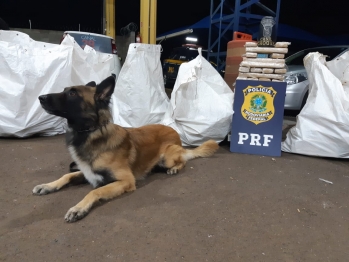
43 189
74 214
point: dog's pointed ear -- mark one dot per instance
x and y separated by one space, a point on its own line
105 89
92 84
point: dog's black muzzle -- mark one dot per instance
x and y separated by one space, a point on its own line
51 104
46 101
43 98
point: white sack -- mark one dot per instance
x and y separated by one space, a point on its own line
340 69
88 65
31 68
201 106
139 97
322 127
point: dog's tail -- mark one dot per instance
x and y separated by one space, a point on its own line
205 150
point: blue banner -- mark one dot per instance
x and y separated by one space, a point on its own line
258 117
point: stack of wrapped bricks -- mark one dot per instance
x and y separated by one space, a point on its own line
264 63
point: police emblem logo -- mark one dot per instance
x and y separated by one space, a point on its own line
258 106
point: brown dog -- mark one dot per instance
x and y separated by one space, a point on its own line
109 156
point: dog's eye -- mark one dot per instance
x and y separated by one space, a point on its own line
72 93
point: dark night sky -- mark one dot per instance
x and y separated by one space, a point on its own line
325 18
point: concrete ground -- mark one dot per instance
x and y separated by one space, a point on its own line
230 207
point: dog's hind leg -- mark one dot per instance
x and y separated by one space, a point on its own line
71 178
126 183
173 160
175 156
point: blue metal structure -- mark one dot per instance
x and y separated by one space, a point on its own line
224 18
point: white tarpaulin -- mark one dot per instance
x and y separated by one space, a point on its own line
201 105
30 68
139 97
322 127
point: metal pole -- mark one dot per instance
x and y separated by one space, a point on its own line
144 27
186 31
220 36
209 32
277 17
110 18
152 22
104 20
236 16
